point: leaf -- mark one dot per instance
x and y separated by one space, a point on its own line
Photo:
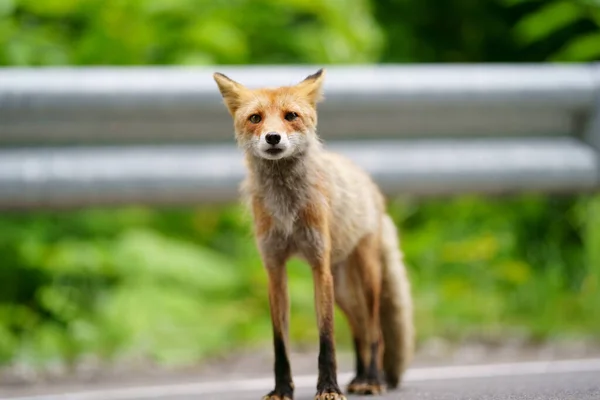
71 256
547 20
584 48
514 2
220 38
514 272
143 255
166 323
6 7
51 7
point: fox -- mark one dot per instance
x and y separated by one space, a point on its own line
308 202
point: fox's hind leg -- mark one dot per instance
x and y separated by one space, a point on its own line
358 290
349 298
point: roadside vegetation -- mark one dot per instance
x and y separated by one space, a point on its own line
178 285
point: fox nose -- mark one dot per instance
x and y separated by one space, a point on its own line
272 138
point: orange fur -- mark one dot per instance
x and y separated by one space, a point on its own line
262 219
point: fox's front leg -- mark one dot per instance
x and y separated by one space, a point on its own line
317 250
279 305
274 254
327 385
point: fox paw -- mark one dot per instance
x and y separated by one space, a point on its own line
365 386
330 392
329 396
274 395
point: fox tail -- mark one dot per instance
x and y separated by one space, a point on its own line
396 308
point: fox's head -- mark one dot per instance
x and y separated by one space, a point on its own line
273 123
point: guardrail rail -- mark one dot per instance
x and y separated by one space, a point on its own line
93 136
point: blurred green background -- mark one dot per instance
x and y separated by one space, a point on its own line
177 285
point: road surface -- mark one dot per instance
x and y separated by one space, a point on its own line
543 380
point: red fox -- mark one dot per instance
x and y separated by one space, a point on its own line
315 204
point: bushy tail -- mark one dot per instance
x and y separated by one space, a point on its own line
396 308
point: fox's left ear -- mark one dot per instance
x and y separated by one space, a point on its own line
312 87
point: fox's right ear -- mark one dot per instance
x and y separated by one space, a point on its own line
230 90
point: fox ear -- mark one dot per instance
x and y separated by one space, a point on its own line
230 90
311 86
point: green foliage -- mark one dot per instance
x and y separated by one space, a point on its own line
489 31
513 263
101 281
178 285
115 32
434 31
569 30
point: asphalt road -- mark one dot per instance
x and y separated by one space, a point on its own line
565 386
556 380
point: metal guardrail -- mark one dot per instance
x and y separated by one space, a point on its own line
152 135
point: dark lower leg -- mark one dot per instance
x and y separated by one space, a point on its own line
283 373
327 364
373 373
374 379
361 368
279 305
359 382
323 281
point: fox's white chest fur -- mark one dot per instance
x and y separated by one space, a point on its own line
284 187
287 187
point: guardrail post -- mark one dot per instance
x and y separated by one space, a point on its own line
592 129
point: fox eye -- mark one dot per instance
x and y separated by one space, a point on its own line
290 116
255 118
